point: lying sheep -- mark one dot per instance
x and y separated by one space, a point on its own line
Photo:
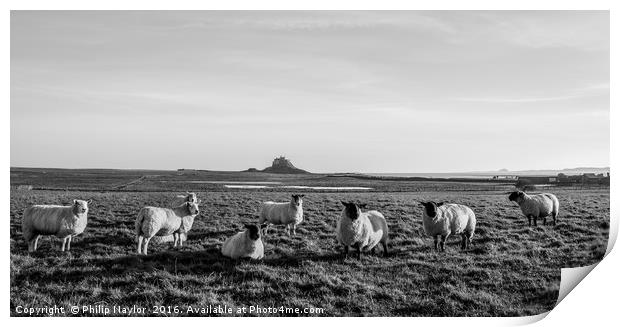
290 213
187 197
536 206
442 220
61 221
361 230
246 244
153 221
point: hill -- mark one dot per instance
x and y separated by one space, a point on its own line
281 165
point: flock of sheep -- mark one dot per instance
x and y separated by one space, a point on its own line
362 231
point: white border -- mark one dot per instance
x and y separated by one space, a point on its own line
594 300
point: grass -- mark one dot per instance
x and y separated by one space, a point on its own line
511 270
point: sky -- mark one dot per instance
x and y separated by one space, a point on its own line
348 91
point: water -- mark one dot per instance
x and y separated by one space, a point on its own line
332 188
230 182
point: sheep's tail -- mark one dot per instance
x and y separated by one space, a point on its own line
139 221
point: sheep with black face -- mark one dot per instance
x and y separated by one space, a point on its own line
442 220
536 206
246 244
361 230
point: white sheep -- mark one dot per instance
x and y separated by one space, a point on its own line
442 220
289 213
246 244
153 221
187 197
61 221
536 206
361 230
178 200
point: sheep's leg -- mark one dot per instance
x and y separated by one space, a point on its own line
35 243
442 242
359 252
180 241
385 248
535 221
176 239
529 220
555 216
345 250
294 229
140 239
463 242
146 245
64 242
69 243
545 221
436 241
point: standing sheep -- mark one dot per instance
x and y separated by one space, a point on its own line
536 206
246 244
290 213
62 221
442 220
153 221
361 230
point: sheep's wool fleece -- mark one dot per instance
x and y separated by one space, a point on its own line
56 220
153 221
281 213
241 246
367 230
452 218
539 205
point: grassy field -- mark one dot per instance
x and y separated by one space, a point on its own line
511 270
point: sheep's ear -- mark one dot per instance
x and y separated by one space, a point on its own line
302 195
344 203
362 205
246 226
75 201
440 204
422 203
263 226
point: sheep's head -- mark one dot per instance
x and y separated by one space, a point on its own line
80 207
192 208
352 210
253 231
191 197
296 199
431 208
516 196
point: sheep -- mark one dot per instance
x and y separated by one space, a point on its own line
179 199
536 206
361 230
290 213
187 197
61 221
442 220
246 244
153 221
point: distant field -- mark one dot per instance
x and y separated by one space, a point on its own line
196 180
511 270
